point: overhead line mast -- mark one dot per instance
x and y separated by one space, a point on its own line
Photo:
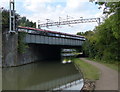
68 22
12 17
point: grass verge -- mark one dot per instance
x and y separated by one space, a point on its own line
89 71
113 65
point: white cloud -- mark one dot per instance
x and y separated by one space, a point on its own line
4 3
52 9
72 8
73 4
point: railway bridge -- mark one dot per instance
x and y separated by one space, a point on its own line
39 36
41 45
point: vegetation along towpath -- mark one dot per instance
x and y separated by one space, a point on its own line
108 79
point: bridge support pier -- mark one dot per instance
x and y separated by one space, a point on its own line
9 48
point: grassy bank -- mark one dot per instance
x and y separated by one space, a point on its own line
112 65
89 71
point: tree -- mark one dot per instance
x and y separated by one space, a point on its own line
23 21
80 33
20 21
5 18
104 41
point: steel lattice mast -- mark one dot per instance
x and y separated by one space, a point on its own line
48 24
12 17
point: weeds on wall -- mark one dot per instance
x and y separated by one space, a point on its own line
22 46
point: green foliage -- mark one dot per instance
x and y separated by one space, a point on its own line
20 21
80 33
5 18
91 72
21 45
103 42
87 33
88 45
26 23
110 64
110 7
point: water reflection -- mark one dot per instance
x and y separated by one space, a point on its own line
39 76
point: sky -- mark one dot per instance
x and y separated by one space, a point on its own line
41 10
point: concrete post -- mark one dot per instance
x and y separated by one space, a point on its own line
0 38
0 50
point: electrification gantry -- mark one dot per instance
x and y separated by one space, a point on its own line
68 22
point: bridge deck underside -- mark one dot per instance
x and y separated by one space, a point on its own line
38 39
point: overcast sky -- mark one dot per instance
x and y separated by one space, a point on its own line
53 9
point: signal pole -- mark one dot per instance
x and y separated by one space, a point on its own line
12 17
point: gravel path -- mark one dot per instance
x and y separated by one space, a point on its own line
108 78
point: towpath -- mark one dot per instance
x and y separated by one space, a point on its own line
108 78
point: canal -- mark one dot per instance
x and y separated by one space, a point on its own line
45 75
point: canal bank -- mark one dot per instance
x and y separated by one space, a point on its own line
108 78
89 72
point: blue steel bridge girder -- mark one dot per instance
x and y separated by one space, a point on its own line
39 39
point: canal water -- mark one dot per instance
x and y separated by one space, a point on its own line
45 75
